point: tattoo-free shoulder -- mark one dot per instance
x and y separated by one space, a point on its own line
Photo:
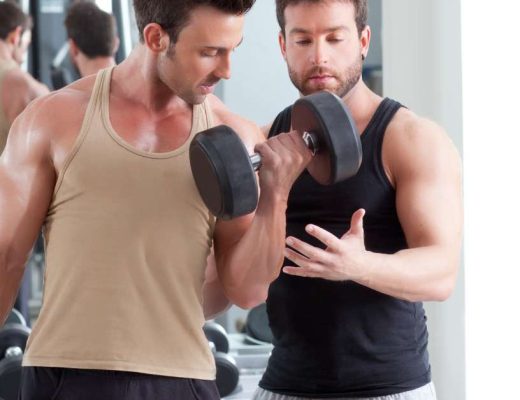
248 131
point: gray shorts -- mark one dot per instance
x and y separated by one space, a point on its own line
426 392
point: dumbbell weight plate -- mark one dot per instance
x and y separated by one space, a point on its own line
10 377
339 155
216 334
227 374
13 335
224 174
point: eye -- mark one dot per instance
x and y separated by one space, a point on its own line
209 53
335 39
303 42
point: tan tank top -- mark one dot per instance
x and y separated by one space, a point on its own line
5 67
127 236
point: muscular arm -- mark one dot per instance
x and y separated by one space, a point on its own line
425 168
26 182
249 249
427 173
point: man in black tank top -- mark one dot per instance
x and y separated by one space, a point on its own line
346 310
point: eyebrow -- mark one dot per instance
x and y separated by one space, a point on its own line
328 30
222 48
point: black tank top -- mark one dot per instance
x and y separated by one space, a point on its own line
341 339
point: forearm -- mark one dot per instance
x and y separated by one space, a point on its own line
11 274
215 300
419 274
255 260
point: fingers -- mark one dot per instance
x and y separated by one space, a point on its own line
356 223
305 267
311 252
325 237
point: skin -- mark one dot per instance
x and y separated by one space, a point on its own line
323 50
151 101
18 88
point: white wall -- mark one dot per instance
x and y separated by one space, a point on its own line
491 86
422 69
259 87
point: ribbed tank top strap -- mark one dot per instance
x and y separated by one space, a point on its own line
93 110
202 116
373 135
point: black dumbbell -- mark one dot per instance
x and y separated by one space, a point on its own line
15 317
13 338
227 370
225 173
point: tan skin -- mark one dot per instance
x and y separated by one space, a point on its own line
18 88
150 109
419 159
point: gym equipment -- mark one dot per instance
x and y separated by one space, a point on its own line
257 328
15 317
216 334
225 174
13 338
227 370
227 374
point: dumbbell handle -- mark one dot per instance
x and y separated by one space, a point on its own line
310 139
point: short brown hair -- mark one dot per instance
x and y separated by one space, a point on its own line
11 17
92 29
361 7
174 15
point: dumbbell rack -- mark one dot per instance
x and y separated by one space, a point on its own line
251 360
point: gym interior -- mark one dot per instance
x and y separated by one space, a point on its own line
438 60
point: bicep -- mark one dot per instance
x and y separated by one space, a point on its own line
428 193
227 234
26 185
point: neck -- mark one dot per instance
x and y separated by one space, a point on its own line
362 103
6 53
90 66
137 79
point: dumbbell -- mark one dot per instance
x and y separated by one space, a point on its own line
224 172
15 317
227 370
13 338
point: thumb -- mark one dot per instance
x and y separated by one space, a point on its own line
356 223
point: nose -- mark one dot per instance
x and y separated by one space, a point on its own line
224 68
319 53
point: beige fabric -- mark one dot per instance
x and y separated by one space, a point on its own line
5 66
127 236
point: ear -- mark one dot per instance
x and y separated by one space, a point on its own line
155 38
117 42
283 45
365 41
73 48
15 36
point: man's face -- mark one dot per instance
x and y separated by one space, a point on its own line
21 47
322 46
202 55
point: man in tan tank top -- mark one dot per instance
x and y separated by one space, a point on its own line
17 88
103 166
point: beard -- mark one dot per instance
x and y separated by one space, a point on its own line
344 83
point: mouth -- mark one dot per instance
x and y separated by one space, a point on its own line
321 78
208 87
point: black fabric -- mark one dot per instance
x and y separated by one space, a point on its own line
39 383
341 339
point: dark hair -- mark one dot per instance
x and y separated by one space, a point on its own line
11 17
92 29
361 7
174 15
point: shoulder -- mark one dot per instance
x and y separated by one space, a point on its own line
52 113
248 131
413 143
23 85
